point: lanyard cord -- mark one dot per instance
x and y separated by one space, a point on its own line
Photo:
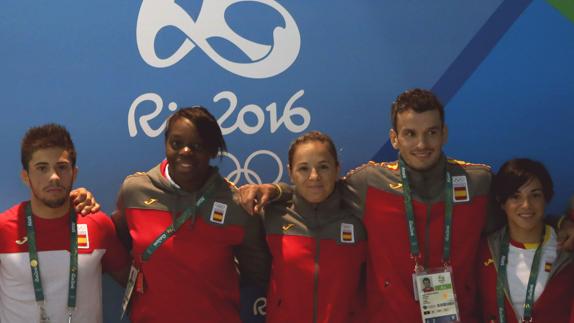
411 226
502 278
179 221
35 262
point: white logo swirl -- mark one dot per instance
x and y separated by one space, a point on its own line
267 60
260 306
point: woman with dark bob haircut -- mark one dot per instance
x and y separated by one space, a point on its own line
523 278
185 230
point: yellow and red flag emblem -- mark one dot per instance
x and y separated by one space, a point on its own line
83 237
347 233
218 213
460 189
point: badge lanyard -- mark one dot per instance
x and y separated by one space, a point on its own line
178 222
501 279
414 245
35 264
136 276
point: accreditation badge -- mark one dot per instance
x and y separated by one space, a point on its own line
436 296
132 280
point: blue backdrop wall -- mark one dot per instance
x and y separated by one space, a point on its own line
112 71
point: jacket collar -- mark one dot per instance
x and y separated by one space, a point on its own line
158 178
495 239
318 214
428 184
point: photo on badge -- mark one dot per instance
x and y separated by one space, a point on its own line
436 296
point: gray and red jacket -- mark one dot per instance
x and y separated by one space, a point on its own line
192 277
375 190
318 253
553 305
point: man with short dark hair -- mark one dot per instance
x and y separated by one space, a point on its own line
51 259
424 215
417 220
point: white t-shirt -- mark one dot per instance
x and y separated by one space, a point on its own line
520 257
98 248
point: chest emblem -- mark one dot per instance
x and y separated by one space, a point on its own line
83 237
150 201
347 233
218 213
286 227
460 189
22 241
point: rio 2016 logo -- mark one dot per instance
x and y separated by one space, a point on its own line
266 60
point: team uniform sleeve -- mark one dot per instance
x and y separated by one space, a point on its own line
116 257
286 193
486 285
120 223
254 259
354 189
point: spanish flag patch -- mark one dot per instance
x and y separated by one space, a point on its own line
218 213
347 233
83 237
547 267
460 189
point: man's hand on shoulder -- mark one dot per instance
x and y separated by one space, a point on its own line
84 201
254 197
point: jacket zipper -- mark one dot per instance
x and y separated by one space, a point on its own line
316 274
427 235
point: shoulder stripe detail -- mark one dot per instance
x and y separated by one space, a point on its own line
394 165
136 174
230 183
466 164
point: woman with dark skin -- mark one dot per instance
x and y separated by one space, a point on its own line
523 278
185 230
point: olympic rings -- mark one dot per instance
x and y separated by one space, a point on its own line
250 175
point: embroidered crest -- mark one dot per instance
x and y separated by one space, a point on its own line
83 237
460 189
347 233
218 213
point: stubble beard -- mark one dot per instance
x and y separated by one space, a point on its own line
54 203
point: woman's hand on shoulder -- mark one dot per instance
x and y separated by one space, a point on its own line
84 201
254 197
